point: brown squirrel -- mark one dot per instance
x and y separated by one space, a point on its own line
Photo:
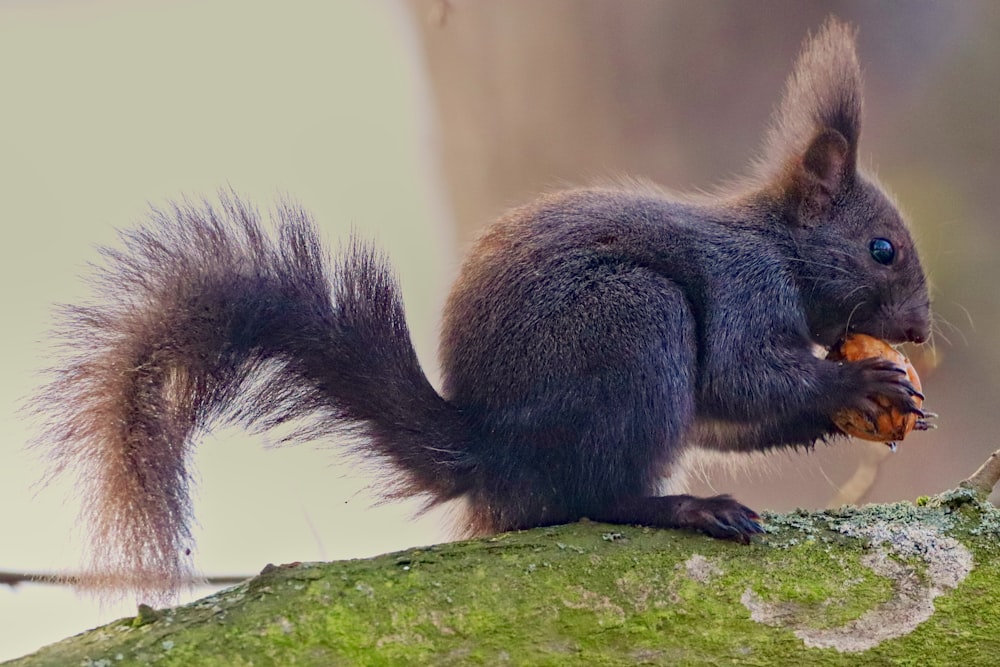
592 337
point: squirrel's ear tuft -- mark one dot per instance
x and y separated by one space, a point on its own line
816 127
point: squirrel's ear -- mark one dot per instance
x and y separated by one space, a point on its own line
825 169
812 145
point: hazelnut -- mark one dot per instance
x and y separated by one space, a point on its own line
890 424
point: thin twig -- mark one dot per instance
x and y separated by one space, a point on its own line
13 579
853 491
983 480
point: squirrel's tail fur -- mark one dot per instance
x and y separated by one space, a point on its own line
205 317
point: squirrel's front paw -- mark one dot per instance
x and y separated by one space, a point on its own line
876 376
883 378
886 403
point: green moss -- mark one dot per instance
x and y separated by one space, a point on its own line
847 590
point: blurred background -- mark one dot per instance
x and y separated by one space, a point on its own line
417 122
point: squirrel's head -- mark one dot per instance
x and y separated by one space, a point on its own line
857 266
853 257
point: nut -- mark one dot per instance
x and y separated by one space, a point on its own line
890 424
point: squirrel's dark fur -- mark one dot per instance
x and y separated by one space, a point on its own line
591 338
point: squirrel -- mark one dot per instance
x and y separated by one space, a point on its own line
592 337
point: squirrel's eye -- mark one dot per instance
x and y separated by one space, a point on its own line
882 251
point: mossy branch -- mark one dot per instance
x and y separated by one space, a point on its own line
887 584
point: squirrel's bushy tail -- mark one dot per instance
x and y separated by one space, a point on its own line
204 317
